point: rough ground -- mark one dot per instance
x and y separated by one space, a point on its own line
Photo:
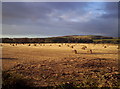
52 65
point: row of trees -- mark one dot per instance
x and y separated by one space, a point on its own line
45 40
57 40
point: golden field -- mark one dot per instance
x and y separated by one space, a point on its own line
52 64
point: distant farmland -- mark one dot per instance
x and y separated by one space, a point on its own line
64 39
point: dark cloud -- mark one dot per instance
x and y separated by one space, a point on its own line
59 18
111 9
22 10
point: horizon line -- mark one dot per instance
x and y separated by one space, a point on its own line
59 36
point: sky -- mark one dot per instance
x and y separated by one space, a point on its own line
49 19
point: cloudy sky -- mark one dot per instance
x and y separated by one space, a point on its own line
45 19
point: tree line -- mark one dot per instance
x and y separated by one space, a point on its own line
58 40
45 40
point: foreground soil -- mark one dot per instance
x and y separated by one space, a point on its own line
56 64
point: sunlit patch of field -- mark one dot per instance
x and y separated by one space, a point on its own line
52 64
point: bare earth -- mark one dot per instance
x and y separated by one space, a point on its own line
54 64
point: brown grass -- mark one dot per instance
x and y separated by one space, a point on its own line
53 65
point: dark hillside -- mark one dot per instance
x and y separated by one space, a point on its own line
64 39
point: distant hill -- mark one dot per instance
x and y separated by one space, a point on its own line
86 37
64 39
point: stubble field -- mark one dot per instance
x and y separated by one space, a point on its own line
56 64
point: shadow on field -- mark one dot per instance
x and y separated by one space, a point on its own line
8 58
16 81
63 74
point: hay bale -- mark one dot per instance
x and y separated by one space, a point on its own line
68 45
84 47
75 51
118 48
72 46
90 51
59 45
35 44
29 45
105 46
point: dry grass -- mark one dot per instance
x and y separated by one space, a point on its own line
53 65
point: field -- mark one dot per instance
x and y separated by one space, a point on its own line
62 64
